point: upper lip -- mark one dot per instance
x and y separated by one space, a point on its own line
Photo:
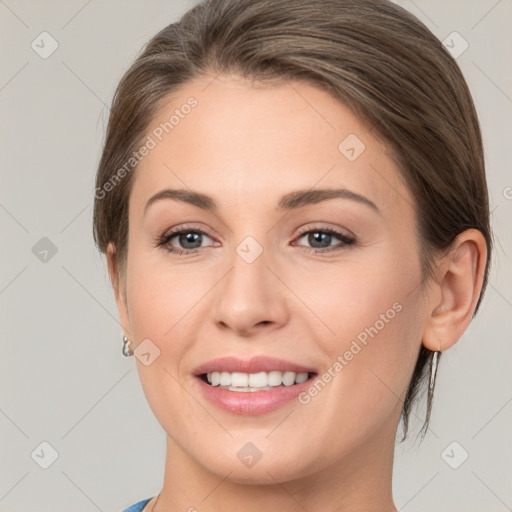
254 365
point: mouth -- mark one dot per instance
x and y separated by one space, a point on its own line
252 382
255 386
256 374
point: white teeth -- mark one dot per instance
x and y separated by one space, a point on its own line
274 378
225 379
289 378
255 380
301 377
237 379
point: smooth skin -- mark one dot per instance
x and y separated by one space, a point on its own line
246 146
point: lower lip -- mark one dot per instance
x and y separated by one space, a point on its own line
251 403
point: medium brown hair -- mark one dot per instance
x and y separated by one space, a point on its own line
374 56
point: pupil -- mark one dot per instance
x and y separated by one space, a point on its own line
189 238
313 238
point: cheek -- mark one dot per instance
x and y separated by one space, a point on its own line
161 309
368 378
161 297
374 321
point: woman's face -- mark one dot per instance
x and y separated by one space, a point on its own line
257 275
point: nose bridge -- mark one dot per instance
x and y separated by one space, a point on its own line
248 277
248 295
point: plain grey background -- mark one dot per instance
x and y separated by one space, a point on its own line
63 379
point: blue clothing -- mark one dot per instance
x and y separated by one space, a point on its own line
138 506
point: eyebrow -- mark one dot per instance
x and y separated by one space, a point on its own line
290 201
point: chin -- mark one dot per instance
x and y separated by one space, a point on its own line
267 470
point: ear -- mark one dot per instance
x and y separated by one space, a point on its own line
457 291
119 286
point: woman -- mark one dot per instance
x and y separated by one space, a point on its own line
293 205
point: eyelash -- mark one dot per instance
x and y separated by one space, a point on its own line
163 241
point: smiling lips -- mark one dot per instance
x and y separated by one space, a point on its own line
258 373
255 386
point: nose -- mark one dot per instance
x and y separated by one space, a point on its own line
251 297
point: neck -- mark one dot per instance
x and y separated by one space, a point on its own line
361 480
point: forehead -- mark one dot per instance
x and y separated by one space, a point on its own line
237 140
